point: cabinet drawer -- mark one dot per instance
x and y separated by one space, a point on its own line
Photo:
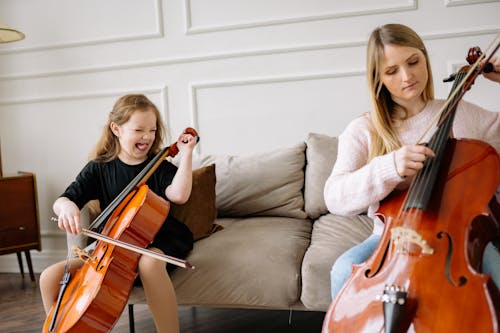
18 213
22 236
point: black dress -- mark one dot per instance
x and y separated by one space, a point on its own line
104 181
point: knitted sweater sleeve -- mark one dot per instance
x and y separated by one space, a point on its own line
475 122
355 183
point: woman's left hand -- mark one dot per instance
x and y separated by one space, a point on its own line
495 74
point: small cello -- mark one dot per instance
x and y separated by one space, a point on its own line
94 298
424 274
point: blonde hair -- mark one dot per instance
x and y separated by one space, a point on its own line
108 146
383 113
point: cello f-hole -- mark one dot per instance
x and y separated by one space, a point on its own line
99 266
462 280
368 273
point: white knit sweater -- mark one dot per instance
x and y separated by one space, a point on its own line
356 186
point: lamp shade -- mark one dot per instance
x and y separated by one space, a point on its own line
7 34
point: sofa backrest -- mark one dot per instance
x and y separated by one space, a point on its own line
321 154
282 182
265 184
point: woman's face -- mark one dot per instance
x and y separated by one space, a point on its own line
404 73
136 136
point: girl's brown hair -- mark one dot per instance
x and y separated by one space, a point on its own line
108 146
383 112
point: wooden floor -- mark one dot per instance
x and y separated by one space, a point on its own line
21 311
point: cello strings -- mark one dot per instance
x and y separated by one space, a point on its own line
68 259
422 181
437 144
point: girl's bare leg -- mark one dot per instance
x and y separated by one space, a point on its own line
49 281
160 293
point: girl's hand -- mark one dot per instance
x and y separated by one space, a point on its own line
495 75
68 216
186 142
409 159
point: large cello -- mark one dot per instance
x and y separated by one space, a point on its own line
424 274
93 299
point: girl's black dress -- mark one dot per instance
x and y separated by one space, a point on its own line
104 181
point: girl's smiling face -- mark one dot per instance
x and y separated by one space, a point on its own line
136 136
404 73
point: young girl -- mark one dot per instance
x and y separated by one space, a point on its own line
129 141
378 153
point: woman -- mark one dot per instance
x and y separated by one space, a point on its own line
130 139
378 152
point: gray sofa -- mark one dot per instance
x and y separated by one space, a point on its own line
278 241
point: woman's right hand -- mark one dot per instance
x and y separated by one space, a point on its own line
68 215
409 159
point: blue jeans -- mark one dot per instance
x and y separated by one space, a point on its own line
491 263
342 268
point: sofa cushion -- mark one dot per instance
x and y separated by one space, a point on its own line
265 184
331 236
250 263
321 153
199 212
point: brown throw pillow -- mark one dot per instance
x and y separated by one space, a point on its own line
199 212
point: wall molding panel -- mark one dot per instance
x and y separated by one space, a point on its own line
235 54
195 87
452 3
80 96
157 32
191 28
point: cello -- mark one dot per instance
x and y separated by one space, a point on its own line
94 298
424 274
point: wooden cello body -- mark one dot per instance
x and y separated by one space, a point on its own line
99 290
444 290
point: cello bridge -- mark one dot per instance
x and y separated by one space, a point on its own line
82 254
401 236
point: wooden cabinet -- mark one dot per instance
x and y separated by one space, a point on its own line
19 223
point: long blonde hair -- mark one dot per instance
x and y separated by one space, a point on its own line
384 137
108 146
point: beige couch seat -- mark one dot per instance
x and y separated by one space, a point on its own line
331 236
252 263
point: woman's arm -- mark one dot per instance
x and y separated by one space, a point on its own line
355 184
474 122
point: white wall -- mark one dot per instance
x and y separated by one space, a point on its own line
250 75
